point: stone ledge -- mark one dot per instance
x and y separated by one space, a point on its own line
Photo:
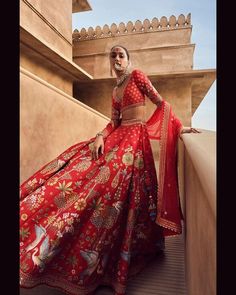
53 55
45 83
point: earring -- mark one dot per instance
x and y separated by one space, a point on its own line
111 71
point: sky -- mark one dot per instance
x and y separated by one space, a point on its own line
203 20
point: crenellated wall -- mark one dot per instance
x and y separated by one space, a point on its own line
132 28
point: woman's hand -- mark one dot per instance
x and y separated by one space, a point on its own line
188 130
98 144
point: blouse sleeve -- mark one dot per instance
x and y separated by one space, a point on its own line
146 87
115 117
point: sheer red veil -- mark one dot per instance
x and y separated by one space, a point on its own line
164 126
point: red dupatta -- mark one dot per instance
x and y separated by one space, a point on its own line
163 125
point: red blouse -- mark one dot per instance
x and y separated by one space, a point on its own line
135 91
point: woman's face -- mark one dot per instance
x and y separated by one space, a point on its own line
118 59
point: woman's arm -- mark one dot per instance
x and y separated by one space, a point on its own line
115 118
146 87
111 126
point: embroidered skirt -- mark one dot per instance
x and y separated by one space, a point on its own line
84 222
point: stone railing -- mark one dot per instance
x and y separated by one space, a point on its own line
133 28
200 212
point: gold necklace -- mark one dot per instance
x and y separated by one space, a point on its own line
122 79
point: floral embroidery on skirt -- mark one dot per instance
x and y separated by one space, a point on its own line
84 222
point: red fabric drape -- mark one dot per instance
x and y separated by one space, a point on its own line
164 126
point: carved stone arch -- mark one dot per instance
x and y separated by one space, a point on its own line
138 26
106 30
155 23
146 25
114 29
164 22
98 31
181 20
122 28
83 33
172 21
130 27
90 32
188 19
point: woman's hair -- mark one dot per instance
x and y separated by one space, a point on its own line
127 53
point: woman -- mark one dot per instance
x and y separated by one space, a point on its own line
95 215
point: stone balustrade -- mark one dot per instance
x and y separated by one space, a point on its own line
200 212
133 28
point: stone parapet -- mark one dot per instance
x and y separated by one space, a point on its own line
200 212
133 28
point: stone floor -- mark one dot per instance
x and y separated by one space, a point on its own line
163 276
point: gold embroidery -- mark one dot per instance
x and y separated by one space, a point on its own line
60 200
128 158
82 166
91 173
67 156
109 156
53 166
115 180
104 175
163 142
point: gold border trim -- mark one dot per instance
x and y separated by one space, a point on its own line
163 144
60 283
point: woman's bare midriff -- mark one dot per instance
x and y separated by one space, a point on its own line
134 113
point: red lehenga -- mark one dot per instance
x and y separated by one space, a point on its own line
84 222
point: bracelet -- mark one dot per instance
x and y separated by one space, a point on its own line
99 134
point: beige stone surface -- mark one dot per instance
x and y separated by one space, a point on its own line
50 122
156 51
202 151
155 60
50 20
200 212
34 62
145 40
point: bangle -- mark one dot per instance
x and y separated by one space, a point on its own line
99 134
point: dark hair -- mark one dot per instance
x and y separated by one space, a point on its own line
127 53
